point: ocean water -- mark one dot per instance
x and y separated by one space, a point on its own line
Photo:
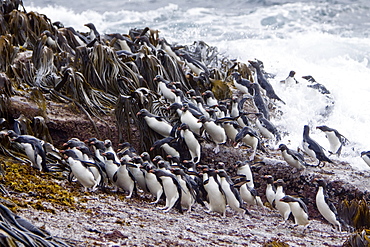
326 39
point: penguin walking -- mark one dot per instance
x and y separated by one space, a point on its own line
124 179
187 193
111 165
216 132
33 148
154 186
266 128
262 81
336 140
216 195
172 189
136 168
248 136
312 148
270 190
191 142
298 209
82 173
248 194
243 168
232 195
325 206
282 207
259 101
292 157
156 123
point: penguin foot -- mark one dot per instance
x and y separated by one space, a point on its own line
162 208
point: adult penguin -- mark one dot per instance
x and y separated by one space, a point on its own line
172 189
336 140
315 85
216 195
312 148
282 207
232 194
33 148
266 128
298 209
93 34
270 92
111 165
243 168
290 80
81 172
124 179
188 194
190 119
292 157
259 102
152 183
270 190
165 88
248 194
325 206
248 136
169 145
156 123
191 142
242 84
216 132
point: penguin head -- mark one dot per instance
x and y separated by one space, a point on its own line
288 199
269 179
320 182
279 182
109 155
157 158
292 73
183 126
282 147
145 156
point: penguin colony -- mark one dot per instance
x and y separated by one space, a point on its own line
192 117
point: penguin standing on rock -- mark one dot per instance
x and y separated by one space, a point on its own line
325 206
336 140
248 136
270 92
244 85
281 206
270 190
216 132
267 129
191 142
292 157
259 101
312 148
